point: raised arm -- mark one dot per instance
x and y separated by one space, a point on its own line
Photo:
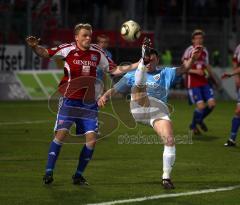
187 64
33 43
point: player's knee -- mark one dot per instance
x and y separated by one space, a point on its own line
169 141
211 104
91 143
237 112
200 106
60 135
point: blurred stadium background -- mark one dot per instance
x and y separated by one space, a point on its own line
168 23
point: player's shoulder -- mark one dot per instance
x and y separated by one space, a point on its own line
97 48
189 49
160 69
237 49
130 74
67 45
205 49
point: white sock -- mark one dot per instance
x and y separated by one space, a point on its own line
140 74
169 156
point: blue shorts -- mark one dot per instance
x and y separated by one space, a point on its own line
84 115
202 93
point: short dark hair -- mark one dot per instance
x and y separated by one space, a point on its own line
197 32
80 26
102 36
154 51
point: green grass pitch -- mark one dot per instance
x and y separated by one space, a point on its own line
117 171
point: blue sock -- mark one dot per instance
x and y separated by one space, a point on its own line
207 110
53 153
197 118
234 129
85 157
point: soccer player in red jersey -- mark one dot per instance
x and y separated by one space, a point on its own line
231 142
200 91
78 102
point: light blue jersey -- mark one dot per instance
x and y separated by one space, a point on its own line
100 72
158 82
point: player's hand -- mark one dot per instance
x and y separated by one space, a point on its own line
196 52
226 75
146 50
32 41
200 72
102 101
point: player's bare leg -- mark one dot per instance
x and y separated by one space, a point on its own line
164 130
139 93
84 158
53 153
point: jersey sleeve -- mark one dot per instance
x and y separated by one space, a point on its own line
207 57
59 51
104 62
186 54
124 84
236 55
170 75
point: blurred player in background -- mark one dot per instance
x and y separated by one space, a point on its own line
200 91
103 78
149 85
231 142
78 102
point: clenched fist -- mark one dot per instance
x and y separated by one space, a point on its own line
32 41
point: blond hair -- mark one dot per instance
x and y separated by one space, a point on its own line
80 26
197 32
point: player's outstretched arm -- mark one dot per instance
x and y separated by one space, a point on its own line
228 75
33 43
105 97
145 56
121 69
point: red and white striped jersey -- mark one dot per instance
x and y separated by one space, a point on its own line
236 55
236 59
194 80
80 68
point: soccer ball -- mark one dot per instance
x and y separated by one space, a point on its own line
130 30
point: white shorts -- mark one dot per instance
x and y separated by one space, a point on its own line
147 115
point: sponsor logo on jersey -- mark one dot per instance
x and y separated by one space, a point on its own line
84 63
156 77
94 57
85 70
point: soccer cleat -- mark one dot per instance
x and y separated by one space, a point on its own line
48 178
230 143
167 184
203 127
79 180
195 131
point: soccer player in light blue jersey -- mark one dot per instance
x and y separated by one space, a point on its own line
149 85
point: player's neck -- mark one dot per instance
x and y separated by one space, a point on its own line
81 47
